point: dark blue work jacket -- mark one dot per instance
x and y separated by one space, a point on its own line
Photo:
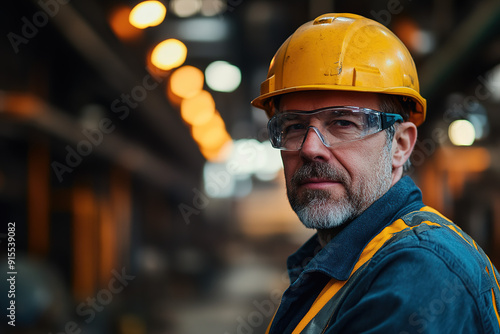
400 267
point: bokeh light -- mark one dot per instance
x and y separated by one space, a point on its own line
221 76
214 138
199 109
169 54
147 14
213 7
119 23
201 132
186 82
462 133
211 137
218 154
185 8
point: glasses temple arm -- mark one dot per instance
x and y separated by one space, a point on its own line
389 119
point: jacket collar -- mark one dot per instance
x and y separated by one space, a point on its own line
338 257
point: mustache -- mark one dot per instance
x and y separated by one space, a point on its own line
320 170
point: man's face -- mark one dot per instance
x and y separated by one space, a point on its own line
326 186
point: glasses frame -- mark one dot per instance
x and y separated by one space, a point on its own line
386 121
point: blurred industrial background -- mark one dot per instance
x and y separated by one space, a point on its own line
145 196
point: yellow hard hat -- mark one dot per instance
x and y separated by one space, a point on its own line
342 52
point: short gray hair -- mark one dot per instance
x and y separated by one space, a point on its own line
397 105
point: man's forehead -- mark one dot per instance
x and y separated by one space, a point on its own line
311 100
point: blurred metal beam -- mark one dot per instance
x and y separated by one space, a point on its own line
461 45
32 111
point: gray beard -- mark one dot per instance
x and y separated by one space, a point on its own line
317 209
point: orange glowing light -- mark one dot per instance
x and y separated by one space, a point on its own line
169 54
214 138
174 99
407 30
186 82
121 26
147 14
199 109
211 136
220 153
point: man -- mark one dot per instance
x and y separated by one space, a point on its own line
343 99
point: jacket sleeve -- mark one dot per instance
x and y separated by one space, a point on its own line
417 290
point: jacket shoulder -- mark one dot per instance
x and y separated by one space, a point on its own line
441 240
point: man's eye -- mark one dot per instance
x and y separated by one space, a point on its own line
294 127
343 123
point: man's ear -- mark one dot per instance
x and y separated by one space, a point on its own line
403 143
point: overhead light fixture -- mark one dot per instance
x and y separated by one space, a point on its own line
147 14
221 76
214 139
120 24
185 8
186 82
232 176
199 109
211 137
205 130
462 133
218 154
213 7
169 54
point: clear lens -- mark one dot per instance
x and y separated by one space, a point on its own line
333 125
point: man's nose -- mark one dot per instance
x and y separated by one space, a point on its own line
313 147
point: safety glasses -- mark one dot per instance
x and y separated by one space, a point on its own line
333 125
